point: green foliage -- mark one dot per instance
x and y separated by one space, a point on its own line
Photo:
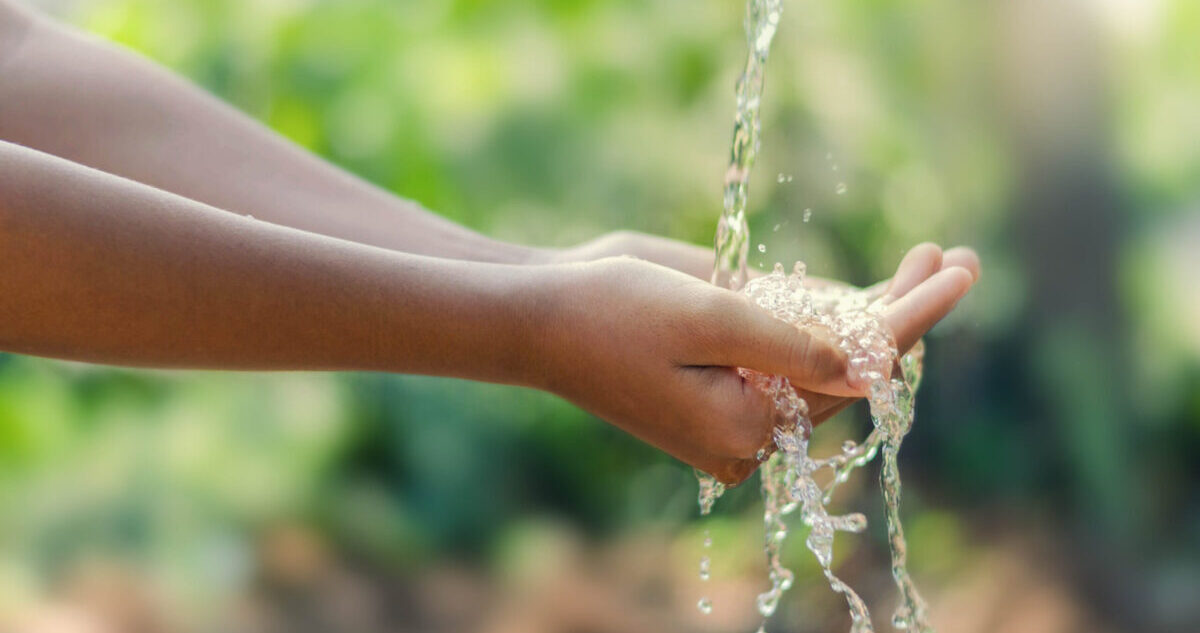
549 122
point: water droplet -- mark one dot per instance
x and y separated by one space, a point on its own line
807 215
842 189
776 229
762 248
705 606
705 568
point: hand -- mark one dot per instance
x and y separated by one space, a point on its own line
686 258
918 265
656 353
916 306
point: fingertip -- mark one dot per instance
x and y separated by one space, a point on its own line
927 248
964 257
960 277
914 314
918 264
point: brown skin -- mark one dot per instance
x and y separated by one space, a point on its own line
159 268
71 95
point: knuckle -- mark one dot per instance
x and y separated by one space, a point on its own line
623 238
811 359
733 472
828 361
798 350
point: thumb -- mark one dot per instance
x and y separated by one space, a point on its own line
754 339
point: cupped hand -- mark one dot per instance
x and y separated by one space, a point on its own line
655 352
924 289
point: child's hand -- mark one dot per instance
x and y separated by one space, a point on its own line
918 302
655 352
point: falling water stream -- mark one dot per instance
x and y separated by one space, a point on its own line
852 317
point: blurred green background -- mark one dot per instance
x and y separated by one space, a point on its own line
1053 476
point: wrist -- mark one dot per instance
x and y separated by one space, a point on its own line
545 293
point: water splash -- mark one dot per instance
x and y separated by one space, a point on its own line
733 234
788 478
788 483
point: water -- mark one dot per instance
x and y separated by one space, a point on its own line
733 234
789 481
788 477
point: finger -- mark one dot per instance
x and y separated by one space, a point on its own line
737 421
915 313
820 403
962 257
756 340
919 264
734 473
832 410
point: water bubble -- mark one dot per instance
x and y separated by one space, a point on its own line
705 605
705 567
762 248
807 215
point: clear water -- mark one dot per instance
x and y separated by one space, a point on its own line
788 476
733 234
789 483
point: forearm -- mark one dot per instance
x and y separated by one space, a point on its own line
101 269
92 103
